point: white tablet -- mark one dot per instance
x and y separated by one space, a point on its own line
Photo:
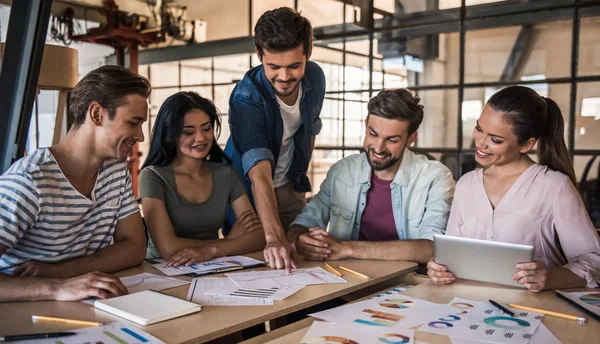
481 260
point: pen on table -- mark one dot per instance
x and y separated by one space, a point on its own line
502 308
335 272
581 320
36 336
36 318
353 272
231 268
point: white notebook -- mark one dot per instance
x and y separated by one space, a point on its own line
147 307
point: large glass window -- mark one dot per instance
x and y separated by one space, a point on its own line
419 45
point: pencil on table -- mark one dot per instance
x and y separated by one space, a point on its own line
556 314
353 272
335 272
36 318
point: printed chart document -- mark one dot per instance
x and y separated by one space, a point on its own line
199 287
145 281
484 322
211 266
280 278
327 332
542 336
277 294
589 301
391 309
147 307
111 333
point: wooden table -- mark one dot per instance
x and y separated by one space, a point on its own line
567 331
211 322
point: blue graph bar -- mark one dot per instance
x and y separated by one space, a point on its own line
135 335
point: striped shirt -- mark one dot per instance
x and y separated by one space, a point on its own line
43 218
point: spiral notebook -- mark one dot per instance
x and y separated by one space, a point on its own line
147 307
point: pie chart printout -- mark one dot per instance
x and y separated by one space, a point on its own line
396 303
591 299
328 340
508 323
394 338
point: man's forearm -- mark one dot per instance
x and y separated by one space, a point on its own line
118 256
266 207
14 288
420 250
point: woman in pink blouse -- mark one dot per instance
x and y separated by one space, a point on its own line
513 199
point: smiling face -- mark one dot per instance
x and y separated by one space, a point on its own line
197 135
117 136
495 141
284 70
385 141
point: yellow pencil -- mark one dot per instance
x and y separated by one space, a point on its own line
556 314
36 318
353 272
335 272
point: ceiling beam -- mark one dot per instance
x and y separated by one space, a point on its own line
486 16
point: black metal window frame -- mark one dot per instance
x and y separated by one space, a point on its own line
444 22
461 20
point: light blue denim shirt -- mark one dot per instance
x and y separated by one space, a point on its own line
422 193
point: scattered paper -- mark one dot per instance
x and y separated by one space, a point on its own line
199 287
210 266
386 310
396 290
327 332
280 278
587 300
112 333
482 321
542 336
145 281
276 294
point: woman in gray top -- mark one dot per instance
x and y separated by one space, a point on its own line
185 187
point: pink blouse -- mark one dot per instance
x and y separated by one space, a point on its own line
542 209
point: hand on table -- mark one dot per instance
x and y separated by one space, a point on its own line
280 254
189 256
93 284
317 244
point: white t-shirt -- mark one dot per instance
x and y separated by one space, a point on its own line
291 123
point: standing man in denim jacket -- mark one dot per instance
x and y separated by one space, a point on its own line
274 117
386 203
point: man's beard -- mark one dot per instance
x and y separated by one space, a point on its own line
274 82
380 166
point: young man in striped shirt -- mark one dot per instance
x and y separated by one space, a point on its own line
67 213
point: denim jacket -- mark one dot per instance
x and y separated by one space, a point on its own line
422 192
257 128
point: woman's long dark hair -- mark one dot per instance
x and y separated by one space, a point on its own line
534 116
169 124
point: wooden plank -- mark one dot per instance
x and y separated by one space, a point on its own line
60 116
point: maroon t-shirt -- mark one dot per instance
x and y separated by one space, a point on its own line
377 223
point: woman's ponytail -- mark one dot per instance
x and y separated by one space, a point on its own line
552 149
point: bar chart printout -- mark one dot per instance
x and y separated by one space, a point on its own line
113 333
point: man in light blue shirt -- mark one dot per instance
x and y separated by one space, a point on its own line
386 203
